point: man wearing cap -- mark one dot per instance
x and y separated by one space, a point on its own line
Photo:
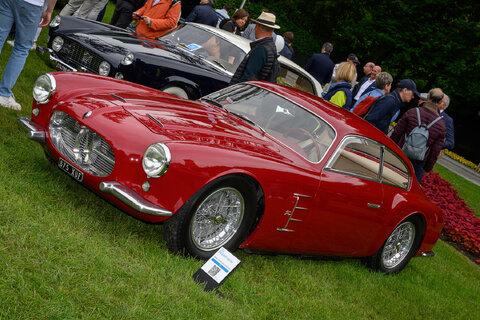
204 13
436 132
352 58
387 108
261 62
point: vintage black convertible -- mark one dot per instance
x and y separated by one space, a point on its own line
190 61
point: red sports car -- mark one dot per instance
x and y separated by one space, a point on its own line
257 166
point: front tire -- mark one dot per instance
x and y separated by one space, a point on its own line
218 215
399 247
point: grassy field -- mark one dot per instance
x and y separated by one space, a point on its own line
67 254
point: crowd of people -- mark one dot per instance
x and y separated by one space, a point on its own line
370 97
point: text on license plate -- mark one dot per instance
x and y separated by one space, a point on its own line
61 67
72 171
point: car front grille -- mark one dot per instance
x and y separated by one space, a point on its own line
74 52
82 146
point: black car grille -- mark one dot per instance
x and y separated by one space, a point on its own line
81 56
81 145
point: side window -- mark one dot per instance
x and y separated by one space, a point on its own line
395 172
359 157
291 78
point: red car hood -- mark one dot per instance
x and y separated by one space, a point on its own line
181 120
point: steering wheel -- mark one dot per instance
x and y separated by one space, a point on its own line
309 135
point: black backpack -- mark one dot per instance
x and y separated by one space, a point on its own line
222 23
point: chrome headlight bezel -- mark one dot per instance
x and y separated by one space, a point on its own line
156 160
104 68
128 59
56 21
44 88
57 43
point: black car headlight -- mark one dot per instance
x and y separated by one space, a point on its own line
56 21
156 160
44 88
57 44
104 68
128 59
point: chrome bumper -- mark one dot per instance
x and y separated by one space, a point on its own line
133 199
35 131
51 59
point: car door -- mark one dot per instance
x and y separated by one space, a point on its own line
348 209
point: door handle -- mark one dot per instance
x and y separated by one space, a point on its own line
373 205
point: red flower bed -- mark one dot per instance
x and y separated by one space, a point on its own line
461 225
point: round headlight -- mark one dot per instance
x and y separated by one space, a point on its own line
56 21
128 59
43 88
156 160
57 44
104 68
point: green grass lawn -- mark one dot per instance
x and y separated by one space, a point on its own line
67 254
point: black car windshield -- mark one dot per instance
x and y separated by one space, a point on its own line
295 127
207 44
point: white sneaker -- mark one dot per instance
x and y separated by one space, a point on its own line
34 46
11 42
10 103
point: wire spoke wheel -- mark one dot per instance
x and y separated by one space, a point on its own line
217 219
398 245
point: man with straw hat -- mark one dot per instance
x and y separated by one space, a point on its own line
261 62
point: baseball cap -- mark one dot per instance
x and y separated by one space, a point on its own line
410 85
353 58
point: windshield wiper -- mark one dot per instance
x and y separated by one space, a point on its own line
244 118
214 102
218 63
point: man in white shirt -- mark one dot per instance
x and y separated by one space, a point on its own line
27 16
367 85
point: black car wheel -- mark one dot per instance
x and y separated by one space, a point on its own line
218 215
399 247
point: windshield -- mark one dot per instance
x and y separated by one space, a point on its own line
295 127
206 44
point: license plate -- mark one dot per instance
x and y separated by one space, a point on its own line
71 170
61 67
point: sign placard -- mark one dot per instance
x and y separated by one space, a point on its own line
216 269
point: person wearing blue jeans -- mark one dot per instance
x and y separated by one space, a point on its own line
27 16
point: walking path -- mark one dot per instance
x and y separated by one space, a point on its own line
460 169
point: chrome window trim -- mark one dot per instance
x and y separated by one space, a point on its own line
379 179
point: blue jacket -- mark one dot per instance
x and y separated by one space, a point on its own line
449 139
320 66
384 110
203 13
340 86
287 51
371 87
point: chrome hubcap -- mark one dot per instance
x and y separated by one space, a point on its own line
398 245
217 219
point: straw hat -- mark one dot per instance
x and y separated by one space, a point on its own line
267 19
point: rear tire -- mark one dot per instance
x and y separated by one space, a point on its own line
399 247
218 215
